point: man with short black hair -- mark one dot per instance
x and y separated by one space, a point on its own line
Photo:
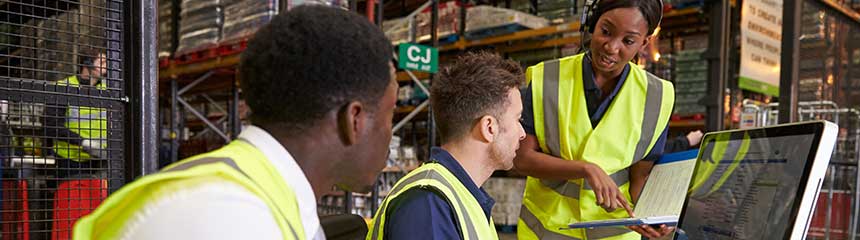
322 92
477 107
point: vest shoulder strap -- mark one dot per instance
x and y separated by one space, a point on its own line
204 161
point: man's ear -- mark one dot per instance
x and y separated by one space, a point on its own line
350 121
488 127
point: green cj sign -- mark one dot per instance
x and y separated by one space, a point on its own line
418 57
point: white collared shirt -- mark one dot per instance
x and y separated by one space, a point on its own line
226 210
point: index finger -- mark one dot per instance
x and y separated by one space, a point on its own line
623 203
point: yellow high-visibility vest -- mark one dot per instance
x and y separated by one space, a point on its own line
88 122
473 222
628 130
238 162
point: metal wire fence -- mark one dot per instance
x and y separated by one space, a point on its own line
62 113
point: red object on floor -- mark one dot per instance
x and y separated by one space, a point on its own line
839 217
16 213
73 200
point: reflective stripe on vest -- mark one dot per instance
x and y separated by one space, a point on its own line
533 224
567 133
434 175
238 162
725 154
226 161
74 115
550 94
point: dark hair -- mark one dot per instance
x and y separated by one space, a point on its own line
87 57
652 11
476 84
312 60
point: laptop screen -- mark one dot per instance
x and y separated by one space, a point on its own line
748 184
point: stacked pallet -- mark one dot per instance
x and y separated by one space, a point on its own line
816 59
166 25
487 21
691 85
243 17
398 30
342 4
560 11
200 25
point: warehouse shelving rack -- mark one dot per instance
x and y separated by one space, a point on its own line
216 74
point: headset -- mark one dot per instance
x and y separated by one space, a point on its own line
584 20
88 62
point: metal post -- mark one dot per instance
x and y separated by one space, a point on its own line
717 56
236 124
141 79
856 215
380 6
534 8
434 23
180 125
827 223
463 11
174 121
434 27
347 202
790 61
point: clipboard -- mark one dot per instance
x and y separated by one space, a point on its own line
671 174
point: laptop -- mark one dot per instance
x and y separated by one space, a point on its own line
758 183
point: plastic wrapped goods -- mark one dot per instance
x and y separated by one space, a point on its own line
166 28
484 17
200 25
243 17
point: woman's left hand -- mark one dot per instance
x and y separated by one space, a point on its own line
650 232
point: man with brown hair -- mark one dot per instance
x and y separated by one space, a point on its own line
477 108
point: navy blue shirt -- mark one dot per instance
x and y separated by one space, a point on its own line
596 107
422 213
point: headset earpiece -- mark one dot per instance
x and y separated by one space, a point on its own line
586 22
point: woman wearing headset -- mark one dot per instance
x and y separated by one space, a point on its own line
595 123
